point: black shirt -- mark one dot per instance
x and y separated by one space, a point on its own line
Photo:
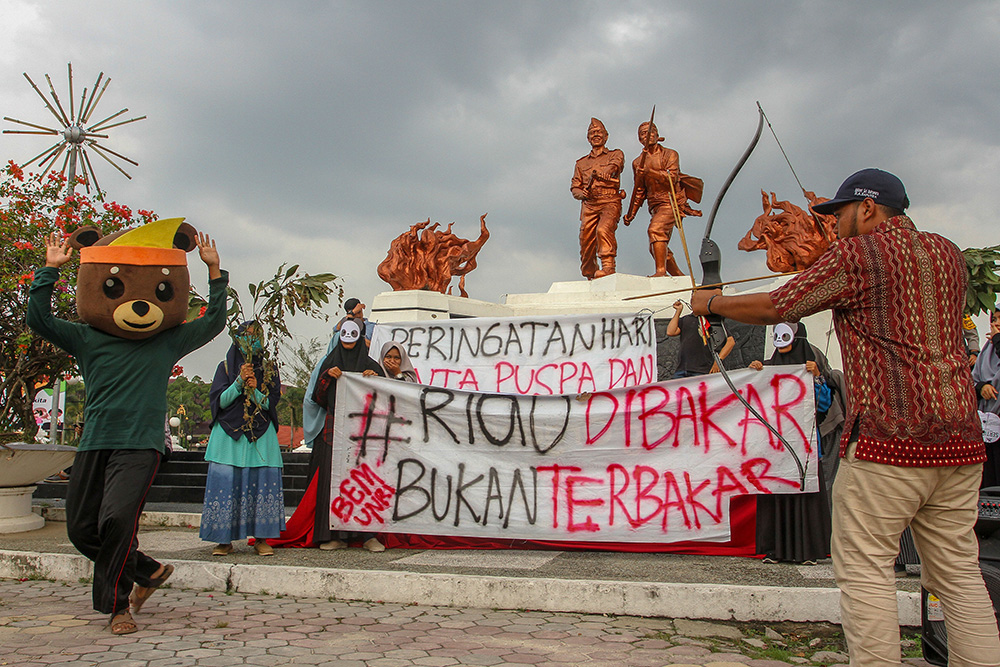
695 356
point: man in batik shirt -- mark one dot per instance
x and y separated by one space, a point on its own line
912 450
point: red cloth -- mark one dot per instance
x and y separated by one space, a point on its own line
298 533
897 296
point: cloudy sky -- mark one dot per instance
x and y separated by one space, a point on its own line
316 132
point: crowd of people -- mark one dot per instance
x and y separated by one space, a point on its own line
901 432
243 496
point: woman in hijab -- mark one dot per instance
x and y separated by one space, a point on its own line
986 375
350 356
310 524
796 527
396 363
243 493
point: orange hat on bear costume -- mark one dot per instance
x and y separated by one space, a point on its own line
155 243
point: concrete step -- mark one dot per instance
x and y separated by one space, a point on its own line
182 479
640 584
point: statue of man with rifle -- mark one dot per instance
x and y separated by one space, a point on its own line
659 182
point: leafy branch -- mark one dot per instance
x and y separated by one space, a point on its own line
288 293
982 264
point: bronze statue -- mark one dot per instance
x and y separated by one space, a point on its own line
595 183
425 258
658 180
793 238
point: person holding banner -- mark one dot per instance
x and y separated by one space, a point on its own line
351 356
310 524
796 527
912 450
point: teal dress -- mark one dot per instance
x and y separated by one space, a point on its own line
243 493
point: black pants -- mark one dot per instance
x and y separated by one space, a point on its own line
106 494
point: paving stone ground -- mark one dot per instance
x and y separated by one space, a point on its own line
52 623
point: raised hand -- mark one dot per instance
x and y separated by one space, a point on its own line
209 254
57 253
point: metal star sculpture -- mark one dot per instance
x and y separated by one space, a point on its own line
78 134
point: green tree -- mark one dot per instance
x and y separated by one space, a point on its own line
193 395
982 264
298 362
31 208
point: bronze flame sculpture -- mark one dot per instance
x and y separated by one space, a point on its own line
425 258
793 238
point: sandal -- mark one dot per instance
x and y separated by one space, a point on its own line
141 593
122 623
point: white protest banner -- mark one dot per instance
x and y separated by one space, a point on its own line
528 355
657 463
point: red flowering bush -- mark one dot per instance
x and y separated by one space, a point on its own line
31 207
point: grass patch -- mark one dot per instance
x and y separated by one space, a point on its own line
913 646
798 640
86 580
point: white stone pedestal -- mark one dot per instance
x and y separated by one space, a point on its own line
419 305
580 297
577 297
15 510
603 295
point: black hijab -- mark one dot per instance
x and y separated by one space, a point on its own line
800 353
354 360
232 418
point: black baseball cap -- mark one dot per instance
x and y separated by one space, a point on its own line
351 304
875 184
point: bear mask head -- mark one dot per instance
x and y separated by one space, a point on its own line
135 283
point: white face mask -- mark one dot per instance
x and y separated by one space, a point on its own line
350 332
783 335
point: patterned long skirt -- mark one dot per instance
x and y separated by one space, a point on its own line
241 503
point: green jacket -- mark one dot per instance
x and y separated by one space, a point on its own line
126 380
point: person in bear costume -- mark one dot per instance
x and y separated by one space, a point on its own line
132 298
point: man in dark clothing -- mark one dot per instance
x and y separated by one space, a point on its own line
694 356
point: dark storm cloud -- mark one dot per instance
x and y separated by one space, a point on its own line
316 132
